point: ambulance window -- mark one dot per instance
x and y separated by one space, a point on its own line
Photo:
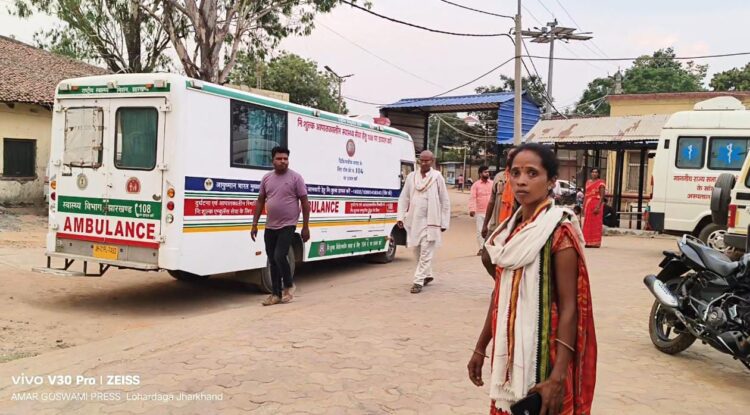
135 138
406 168
690 152
255 131
727 153
83 137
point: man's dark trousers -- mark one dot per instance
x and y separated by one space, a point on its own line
277 248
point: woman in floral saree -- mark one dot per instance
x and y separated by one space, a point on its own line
540 318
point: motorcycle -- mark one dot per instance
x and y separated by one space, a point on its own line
701 294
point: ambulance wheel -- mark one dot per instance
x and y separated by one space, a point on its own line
713 235
264 283
387 256
187 276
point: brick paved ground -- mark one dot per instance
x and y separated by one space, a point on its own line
356 342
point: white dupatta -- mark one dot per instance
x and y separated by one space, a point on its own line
523 251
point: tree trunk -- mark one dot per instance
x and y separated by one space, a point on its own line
132 33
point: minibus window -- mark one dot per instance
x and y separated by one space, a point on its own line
254 132
83 137
136 138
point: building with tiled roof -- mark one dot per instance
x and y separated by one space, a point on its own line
28 78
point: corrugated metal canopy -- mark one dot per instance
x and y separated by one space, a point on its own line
463 103
603 130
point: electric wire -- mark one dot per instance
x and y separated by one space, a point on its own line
364 9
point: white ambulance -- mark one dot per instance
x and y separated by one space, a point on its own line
162 172
695 149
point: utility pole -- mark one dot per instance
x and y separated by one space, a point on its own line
339 80
517 85
437 137
549 34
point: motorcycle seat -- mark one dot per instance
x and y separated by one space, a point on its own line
714 260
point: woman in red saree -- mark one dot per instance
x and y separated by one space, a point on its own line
540 319
593 211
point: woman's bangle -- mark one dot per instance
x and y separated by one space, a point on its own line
481 354
566 345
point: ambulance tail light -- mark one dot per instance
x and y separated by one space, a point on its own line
731 221
170 192
53 196
53 184
170 218
170 205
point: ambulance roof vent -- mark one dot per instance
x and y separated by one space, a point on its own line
720 104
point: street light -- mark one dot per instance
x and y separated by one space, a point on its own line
339 80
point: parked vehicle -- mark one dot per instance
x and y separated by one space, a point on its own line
695 149
730 199
162 172
565 192
701 294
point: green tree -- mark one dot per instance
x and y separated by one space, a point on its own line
594 101
216 30
117 33
289 73
455 132
735 79
659 72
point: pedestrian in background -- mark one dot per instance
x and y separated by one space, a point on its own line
481 192
424 210
502 203
610 215
540 319
460 182
282 191
579 198
593 212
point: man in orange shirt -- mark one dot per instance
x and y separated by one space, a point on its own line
481 192
501 203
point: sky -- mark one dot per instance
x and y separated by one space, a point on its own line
390 61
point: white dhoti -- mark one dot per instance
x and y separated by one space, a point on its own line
424 208
425 252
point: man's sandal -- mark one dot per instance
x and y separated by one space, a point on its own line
416 289
428 280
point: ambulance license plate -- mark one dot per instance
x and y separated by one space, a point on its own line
106 252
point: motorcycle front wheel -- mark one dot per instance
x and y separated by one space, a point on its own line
667 333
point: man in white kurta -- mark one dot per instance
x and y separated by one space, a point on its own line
424 210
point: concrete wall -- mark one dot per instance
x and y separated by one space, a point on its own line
647 106
25 122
